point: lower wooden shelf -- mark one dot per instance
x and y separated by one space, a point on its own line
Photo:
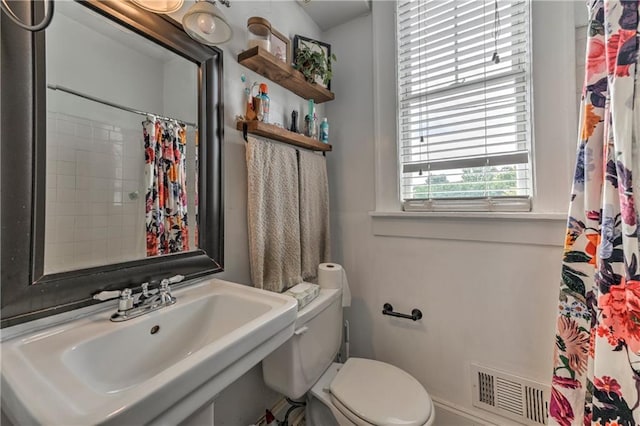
278 133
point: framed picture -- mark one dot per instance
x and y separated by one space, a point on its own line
299 40
280 46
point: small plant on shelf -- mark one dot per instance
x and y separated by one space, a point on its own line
313 63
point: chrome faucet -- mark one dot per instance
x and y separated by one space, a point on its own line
133 305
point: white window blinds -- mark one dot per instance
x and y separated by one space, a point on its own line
464 104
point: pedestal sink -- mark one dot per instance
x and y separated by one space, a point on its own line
157 368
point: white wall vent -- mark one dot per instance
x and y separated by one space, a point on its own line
510 396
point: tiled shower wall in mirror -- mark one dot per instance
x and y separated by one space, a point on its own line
95 193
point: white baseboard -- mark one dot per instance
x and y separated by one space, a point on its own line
449 414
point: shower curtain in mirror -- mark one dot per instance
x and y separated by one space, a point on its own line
166 195
596 375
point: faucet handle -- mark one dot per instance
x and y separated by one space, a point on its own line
145 290
106 295
175 279
126 300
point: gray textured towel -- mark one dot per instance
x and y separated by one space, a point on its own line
273 215
314 213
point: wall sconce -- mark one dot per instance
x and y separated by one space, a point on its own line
159 6
205 23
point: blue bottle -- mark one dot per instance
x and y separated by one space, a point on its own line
324 131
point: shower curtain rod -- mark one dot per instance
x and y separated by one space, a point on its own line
111 104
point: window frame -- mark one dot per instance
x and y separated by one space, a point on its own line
521 203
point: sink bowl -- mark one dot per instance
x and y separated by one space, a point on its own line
163 365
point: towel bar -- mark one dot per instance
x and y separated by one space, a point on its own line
387 309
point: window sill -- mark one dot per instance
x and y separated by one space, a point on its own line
546 229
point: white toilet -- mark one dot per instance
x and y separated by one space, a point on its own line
358 392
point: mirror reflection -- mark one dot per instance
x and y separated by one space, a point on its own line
121 145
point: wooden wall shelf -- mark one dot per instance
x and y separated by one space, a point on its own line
267 65
278 133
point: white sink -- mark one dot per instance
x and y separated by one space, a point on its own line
94 371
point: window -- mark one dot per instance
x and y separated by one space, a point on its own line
464 124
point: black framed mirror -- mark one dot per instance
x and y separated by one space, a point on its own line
30 291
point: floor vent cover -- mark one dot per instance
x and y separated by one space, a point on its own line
510 396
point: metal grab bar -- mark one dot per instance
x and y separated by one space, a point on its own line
387 309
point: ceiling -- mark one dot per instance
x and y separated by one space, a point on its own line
331 13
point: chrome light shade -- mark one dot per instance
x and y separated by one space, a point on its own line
205 23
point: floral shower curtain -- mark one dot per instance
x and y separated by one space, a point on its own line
596 375
166 195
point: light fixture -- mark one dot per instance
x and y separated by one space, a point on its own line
205 23
159 6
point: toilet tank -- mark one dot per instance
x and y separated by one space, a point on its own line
294 367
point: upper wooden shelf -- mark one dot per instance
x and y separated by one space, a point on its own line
266 64
278 133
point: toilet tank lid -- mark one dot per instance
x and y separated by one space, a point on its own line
317 305
381 394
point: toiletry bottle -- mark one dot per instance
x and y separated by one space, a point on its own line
308 126
316 133
294 121
264 90
324 131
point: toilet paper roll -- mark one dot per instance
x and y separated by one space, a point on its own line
333 276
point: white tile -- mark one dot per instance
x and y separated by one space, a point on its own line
50 209
82 235
66 168
83 168
98 208
83 207
100 134
82 183
66 182
52 122
65 235
51 195
98 233
65 209
66 127
115 136
117 173
83 196
83 155
66 195
83 222
117 197
114 245
115 209
52 152
114 221
99 221
66 249
84 131
82 248
132 209
52 181
117 149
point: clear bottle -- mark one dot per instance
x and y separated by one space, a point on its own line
259 33
324 131
264 95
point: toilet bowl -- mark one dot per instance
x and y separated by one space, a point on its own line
358 392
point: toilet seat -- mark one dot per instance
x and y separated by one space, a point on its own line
370 392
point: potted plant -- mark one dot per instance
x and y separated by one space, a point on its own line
313 63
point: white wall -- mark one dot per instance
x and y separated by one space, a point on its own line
487 287
245 401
